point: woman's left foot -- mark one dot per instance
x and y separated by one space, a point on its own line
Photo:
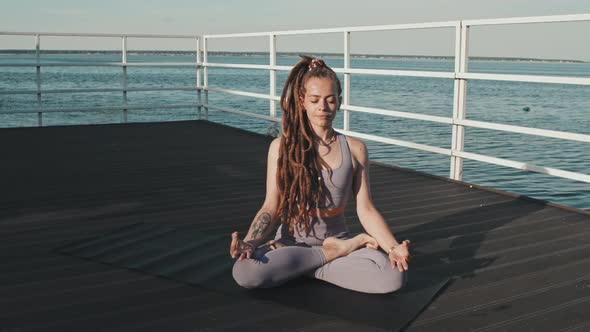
334 248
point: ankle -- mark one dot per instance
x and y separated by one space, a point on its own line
330 253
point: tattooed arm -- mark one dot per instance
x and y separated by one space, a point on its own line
261 229
265 221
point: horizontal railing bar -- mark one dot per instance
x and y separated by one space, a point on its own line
101 108
102 64
351 133
178 88
398 114
114 35
397 142
370 110
254 115
446 24
523 20
434 74
526 78
390 72
525 130
244 66
385 72
524 166
437 119
466 155
156 64
410 26
239 35
243 93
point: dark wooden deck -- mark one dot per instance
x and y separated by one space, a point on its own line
522 265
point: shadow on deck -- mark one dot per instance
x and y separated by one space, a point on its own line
521 264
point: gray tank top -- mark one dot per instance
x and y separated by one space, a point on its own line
338 187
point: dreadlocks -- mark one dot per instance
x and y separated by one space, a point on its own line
299 168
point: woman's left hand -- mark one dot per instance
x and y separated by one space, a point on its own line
400 256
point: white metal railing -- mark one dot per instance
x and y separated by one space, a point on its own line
124 107
460 76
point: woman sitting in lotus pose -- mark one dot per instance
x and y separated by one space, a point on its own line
312 171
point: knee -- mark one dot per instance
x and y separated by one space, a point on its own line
389 282
247 276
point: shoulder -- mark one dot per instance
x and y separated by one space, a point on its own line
275 143
358 150
273 149
357 147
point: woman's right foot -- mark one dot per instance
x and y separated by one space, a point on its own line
334 248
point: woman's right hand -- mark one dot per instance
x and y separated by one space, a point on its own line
240 249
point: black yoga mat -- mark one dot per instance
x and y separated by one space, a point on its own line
200 258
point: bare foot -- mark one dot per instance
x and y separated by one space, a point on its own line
334 248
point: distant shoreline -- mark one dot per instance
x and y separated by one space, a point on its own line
285 54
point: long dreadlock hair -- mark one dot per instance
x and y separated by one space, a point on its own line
299 169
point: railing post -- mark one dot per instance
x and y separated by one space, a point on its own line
459 100
272 126
38 80
346 87
205 78
199 101
124 63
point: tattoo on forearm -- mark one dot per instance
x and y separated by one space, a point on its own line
261 224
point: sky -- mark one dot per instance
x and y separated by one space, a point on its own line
197 17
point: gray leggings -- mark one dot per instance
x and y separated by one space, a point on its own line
364 270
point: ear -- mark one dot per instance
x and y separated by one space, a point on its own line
301 103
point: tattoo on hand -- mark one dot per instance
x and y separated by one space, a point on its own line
261 224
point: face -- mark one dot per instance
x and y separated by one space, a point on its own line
321 101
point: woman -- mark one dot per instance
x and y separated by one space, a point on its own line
312 171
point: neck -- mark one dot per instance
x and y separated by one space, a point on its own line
324 134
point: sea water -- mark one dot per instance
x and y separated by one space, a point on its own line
547 106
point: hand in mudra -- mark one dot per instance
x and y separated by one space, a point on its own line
240 249
400 256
